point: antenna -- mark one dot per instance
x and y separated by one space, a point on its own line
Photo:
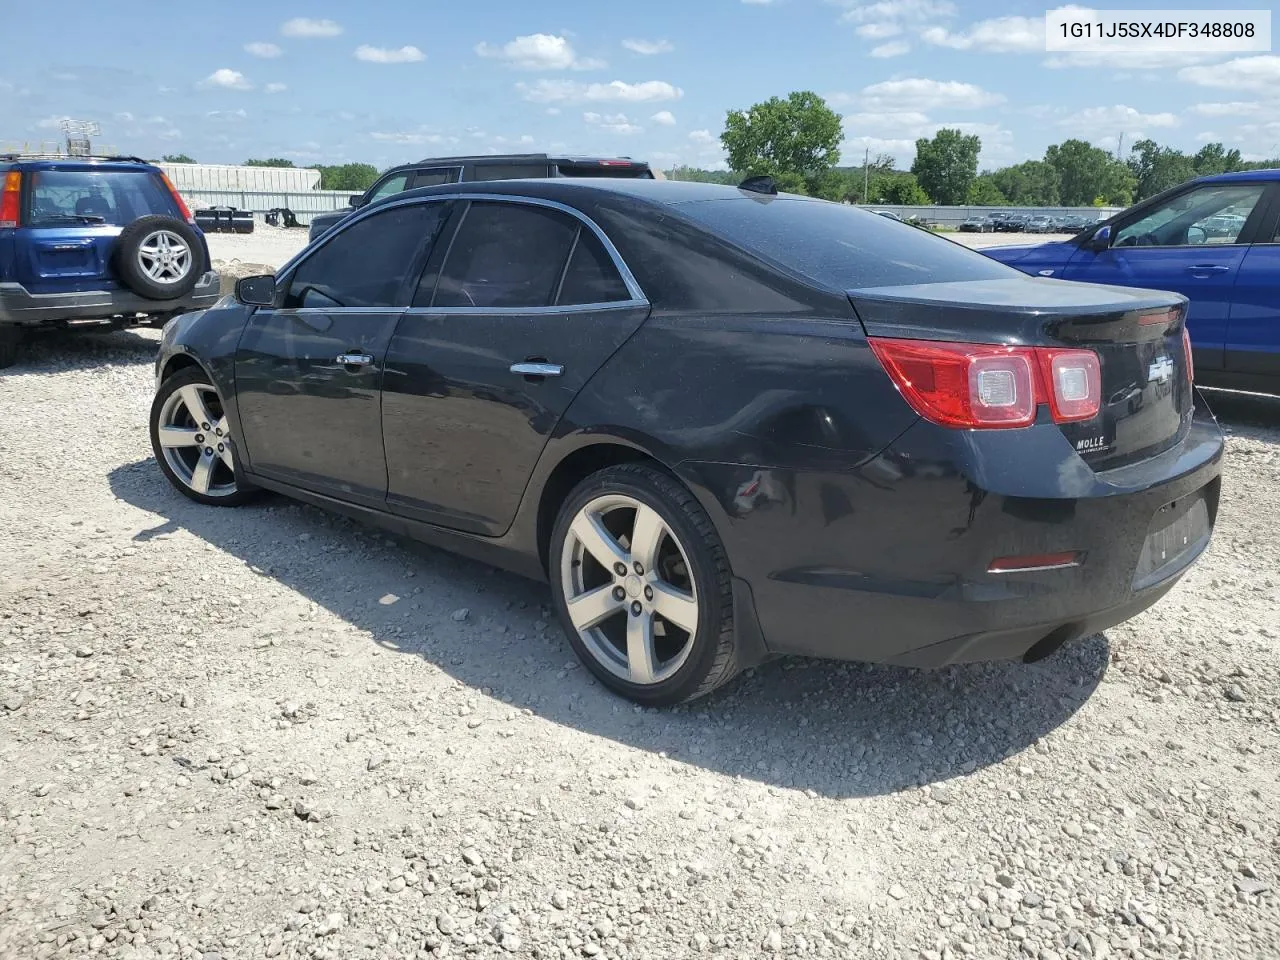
78 133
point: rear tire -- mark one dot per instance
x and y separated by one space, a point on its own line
654 623
192 441
11 337
160 258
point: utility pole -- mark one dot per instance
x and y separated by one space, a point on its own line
1120 147
866 176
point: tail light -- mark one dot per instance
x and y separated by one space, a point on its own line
10 199
177 198
1186 351
985 386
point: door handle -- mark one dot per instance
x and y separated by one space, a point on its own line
532 368
354 359
1208 268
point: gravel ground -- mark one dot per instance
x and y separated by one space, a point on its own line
269 732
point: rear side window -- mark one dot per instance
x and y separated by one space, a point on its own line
118 197
591 276
622 171
364 265
839 246
506 255
434 177
509 171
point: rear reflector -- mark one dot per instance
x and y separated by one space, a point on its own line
1186 352
10 199
1035 561
986 386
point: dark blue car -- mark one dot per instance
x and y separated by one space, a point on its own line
1217 241
96 241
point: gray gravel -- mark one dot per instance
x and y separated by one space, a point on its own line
272 733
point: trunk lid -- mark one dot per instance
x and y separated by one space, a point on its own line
1137 335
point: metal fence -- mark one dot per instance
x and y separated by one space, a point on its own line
304 205
954 216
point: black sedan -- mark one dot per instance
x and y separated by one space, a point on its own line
725 424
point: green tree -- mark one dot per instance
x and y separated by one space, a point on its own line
697 175
984 193
1212 158
947 165
898 187
1086 173
356 177
796 140
177 158
270 162
1156 168
1030 184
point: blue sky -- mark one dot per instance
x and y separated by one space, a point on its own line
393 80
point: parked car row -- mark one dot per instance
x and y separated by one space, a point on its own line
1024 223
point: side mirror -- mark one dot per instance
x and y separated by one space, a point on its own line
356 201
1101 238
257 291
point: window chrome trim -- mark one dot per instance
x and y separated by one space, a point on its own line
526 311
628 278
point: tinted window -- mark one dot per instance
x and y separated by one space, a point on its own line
505 255
117 196
842 247
432 178
1209 214
591 277
597 170
364 264
397 184
510 171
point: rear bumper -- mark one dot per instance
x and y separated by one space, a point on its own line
889 563
19 306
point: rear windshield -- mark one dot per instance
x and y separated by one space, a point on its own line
96 196
840 246
627 172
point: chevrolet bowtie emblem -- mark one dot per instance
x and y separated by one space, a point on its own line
1160 371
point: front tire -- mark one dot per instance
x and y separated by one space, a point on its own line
192 441
642 586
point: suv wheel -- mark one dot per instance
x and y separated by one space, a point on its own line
159 258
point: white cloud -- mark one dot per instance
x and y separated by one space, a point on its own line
1154 60
896 11
616 91
1118 118
405 54
539 51
51 123
553 111
999 35
704 137
664 117
265 50
1236 108
878 31
412 137
894 48
227 79
124 116
275 88
1245 73
886 121
648 48
227 115
759 3
307 27
919 93
613 122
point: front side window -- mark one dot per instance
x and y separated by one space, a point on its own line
506 255
96 196
1210 214
397 184
364 265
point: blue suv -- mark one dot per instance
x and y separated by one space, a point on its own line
1217 241
94 240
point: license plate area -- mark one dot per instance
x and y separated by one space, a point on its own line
1179 531
55 260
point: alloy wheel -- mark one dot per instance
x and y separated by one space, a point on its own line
164 257
629 589
196 441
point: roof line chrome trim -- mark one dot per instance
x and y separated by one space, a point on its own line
628 278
